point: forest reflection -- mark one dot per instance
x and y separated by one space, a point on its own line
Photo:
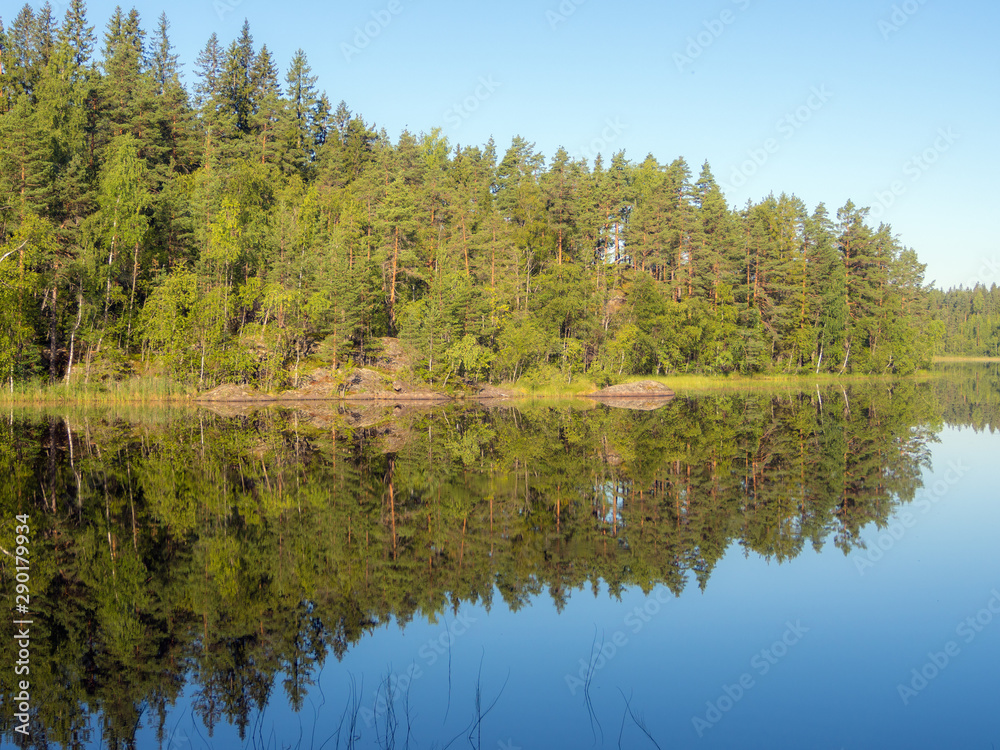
237 551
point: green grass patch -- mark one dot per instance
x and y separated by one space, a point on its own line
131 390
960 360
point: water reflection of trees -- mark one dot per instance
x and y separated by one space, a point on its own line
234 552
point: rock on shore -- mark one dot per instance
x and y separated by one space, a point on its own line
642 389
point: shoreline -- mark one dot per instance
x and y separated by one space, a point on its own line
669 386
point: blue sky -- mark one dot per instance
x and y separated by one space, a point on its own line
891 104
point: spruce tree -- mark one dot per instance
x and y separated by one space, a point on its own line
237 84
302 99
164 64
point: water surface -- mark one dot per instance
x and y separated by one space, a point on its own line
735 570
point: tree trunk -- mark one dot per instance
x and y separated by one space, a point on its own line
72 337
392 287
131 299
53 338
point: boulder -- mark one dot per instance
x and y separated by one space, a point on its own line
643 389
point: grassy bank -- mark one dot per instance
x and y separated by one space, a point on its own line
964 360
708 383
147 390
694 384
157 390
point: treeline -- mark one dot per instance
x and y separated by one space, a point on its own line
970 319
227 558
244 229
972 399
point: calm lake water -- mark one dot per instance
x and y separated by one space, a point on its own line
786 568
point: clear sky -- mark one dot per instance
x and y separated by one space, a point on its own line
891 104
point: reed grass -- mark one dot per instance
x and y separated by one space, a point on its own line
961 360
692 384
144 390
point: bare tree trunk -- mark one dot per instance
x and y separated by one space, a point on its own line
465 248
72 337
846 357
392 287
131 300
52 334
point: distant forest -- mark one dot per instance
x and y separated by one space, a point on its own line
245 230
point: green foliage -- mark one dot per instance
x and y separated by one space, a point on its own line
295 230
968 321
21 258
469 358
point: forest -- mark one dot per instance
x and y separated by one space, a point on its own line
240 228
971 319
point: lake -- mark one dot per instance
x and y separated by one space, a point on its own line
813 567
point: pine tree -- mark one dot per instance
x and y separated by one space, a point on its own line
209 71
828 283
341 119
26 158
647 242
44 36
855 243
76 36
321 122
237 85
19 57
164 64
268 109
302 101
125 92
683 260
65 108
560 184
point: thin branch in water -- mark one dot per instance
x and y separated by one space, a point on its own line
448 707
409 721
319 682
351 710
194 725
588 701
477 726
639 721
389 739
